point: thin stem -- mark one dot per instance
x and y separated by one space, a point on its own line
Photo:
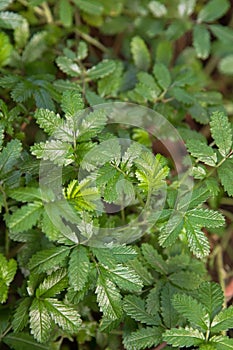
47 12
7 241
92 41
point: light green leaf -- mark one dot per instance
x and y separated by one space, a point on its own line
26 217
64 315
223 320
213 10
55 150
221 132
4 4
9 156
143 338
10 20
35 48
109 85
140 53
222 343
197 240
135 307
162 75
225 65
48 259
186 7
21 315
26 194
224 34
19 341
205 218
183 337
5 49
193 311
108 298
201 41
65 13
40 321
210 294
92 7
141 271
202 152
53 284
157 9
48 120
154 259
71 103
225 173
102 69
79 266
7 273
69 67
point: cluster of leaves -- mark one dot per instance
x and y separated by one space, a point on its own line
96 247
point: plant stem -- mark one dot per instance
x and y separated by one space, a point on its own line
7 241
92 41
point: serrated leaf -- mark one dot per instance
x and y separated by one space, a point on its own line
221 132
68 66
141 270
185 279
224 34
123 253
223 320
25 194
157 8
92 7
9 156
183 337
222 343
48 120
64 315
102 69
168 313
162 75
108 298
48 259
197 241
154 259
40 321
21 315
53 284
143 338
202 152
182 95
135 307
65 13
26 217
205 218
140 53
35 47
170 231
225 173
201 41
7 273
193 311
210 294
79 266
10 20
55 150
109 85
213 10
71 103
4 4
153 299
92 124
124 277
19 341
225 65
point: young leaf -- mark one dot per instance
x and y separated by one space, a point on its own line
48 120
71 103
211 296
19 341
197 241
102 69
222 133
108 298
205 218
189 308
140 53
183 337
225 173
223 320
202 151
213 10
65 316
154 259
53 284
24 218
69 67
143 338
21 315
48 259
201 41
40 321
79 266
135 307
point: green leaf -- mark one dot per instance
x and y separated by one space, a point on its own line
221 132
48 259
40 321
108 298
4 4
153 299
223 320
5 49
202 152
135 307
79 266
222 343
64 315
53 284
26 217
102 69
71 103
186 7
197 240
157 9
69 67
225 173
21 315
205 218
225 65
162 75
10 20
168 313
65 13
201 41
210 294
141 271
109 85
9 156
183 337
92 7
213 10
124 277
7 272
154 259
140 53
35 48
193 311
185 279
143 338
123 253
48 120
19 341
25 194
182 95
224 34
55 150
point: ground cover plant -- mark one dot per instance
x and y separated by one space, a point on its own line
116 172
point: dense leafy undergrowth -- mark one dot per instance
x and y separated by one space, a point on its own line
116 174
